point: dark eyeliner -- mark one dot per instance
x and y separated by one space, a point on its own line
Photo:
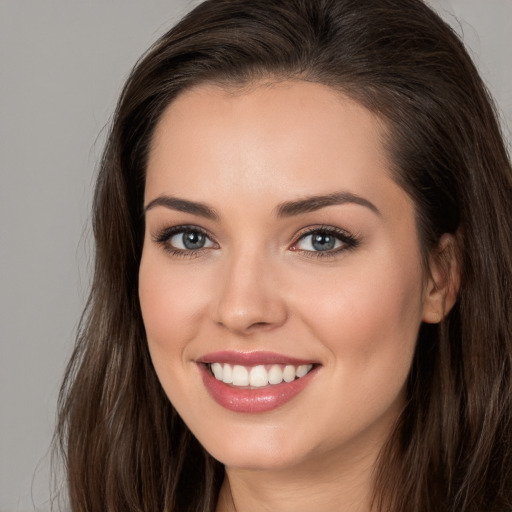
163 236
348 240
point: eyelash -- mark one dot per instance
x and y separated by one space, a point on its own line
348 241
163 238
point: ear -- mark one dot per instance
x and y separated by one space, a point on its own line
443 282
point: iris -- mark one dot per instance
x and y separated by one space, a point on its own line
193 240
323 241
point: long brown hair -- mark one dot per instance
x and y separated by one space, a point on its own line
124 446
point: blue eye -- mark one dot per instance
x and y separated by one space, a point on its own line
319 242
326 240
184 239
190 240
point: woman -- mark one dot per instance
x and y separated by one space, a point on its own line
303 272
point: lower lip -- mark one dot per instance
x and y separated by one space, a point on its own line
253 400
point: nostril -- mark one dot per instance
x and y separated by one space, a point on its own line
259 325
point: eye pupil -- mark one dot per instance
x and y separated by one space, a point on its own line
193 240
323 241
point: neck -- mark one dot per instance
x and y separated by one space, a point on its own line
329 485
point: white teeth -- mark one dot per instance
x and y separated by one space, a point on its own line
302 370
240 376
275 375
258 376
217 370
227 374
289 373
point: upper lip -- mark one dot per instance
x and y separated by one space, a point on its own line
251 358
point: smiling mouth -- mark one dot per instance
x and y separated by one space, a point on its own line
257 376
255 382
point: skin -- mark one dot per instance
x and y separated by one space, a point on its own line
259 286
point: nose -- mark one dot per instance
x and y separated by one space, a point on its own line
249 298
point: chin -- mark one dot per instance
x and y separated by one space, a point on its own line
269 459
264 450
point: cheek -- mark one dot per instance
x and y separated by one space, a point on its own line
378 288
369 323
171 302
368 317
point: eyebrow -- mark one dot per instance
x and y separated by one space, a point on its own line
313 203
286 209
183 205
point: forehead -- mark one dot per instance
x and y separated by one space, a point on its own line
271 138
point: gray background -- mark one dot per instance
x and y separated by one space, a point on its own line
63 63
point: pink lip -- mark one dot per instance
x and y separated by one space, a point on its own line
251 358
255 400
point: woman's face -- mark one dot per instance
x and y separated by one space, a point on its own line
280 255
